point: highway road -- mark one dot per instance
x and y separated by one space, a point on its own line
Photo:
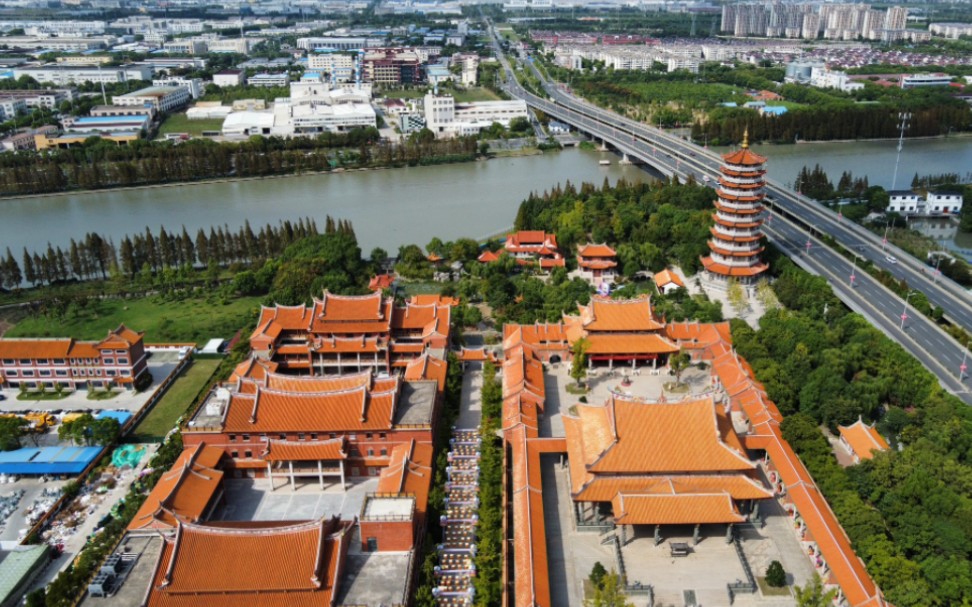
941 291
938 351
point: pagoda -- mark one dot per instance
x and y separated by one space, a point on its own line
736 241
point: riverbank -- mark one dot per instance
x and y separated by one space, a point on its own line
218 180
387 208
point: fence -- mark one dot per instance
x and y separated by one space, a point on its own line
55 509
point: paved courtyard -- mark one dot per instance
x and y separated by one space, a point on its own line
643 382
252 500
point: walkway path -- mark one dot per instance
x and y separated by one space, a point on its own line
456 570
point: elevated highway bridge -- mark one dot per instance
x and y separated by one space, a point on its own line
795 224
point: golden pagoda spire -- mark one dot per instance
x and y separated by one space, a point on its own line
745 143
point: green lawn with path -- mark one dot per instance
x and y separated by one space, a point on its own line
176 400
163 320
179 123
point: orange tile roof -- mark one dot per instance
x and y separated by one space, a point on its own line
698 335
531 238
276 566
864 440
333 345
472 354
487 257
428 318
381 282
530 570
286 450
595 250
428 299
630 436
720 268
738 485
557 262
674 509
252 368
433 257
122 337
427 367
606 314
184 492
631 343
318 383
268 411
37 348
666 276
276 319
351 314
744 157
409 471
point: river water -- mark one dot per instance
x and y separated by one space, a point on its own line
388 208
401 206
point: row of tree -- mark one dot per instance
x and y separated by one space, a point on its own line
96 257
99 163
489 530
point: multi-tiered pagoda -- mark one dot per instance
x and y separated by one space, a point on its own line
736 241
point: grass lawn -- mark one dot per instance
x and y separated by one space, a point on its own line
178 123
405 93
176 400
189 320
36 396
476 93
421 288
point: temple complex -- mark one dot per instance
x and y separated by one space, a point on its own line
708 458
620 332
597 263
736 241
350 333
534 248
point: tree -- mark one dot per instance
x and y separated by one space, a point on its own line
775 575
609 593
104 431
597 574
813 594
12 429
765 295
679 362
578 366
736 295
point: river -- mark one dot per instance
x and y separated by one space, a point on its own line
401 206
388 208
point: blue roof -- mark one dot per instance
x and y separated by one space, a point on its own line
111 119
121 416
730 104
776 110
48 460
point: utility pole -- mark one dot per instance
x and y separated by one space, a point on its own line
904 117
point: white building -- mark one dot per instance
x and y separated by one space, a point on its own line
11 107
906 202
195 85
916 80
163 98
943 203
267 80
186 46
338 66
822 77
63 75
229 78
950 30
339 43
445 117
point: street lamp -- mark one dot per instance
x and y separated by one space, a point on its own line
853 275
904 312
963 367
884 241
904 117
